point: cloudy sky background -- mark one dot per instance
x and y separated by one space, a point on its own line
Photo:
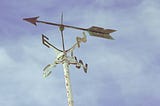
122 72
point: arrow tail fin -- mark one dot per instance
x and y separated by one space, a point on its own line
107 35
100 32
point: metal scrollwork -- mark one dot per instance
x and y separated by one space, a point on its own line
61 57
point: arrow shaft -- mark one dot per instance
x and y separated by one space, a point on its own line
68 26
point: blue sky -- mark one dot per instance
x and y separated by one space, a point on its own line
122 72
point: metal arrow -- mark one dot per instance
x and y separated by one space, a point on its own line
93 31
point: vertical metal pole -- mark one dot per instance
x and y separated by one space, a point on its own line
68 84
66 68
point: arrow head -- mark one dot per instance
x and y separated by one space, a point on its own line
32 20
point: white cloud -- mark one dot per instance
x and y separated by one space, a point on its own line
119 70
5 59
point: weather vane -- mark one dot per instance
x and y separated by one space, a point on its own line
66 57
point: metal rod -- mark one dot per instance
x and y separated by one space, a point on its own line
66 68
61 28
63 41
68 26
